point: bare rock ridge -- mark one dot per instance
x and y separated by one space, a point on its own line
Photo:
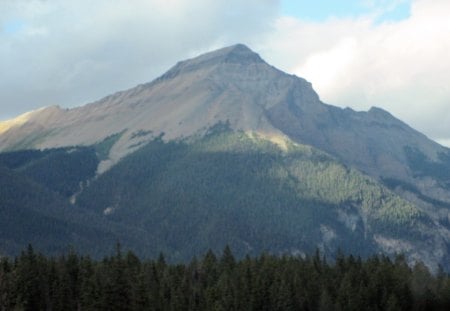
238 54
233 85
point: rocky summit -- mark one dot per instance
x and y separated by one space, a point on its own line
225 149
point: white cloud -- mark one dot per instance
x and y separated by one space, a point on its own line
400 66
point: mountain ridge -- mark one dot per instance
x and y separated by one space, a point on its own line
213 89
235 87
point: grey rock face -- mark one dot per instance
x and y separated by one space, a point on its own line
234 85
231 85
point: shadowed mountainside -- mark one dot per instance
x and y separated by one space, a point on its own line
234 86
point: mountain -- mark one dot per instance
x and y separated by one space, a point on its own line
222 86
37 192
32 212
224 148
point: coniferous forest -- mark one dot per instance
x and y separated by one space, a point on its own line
33 281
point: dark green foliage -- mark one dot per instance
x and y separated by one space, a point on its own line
17 159
252 192
124 282
104 147
35 208
64 171
31 213
246 191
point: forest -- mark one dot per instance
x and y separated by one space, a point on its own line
185 197
122 281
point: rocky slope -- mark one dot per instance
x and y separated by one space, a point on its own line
230 85
234 86
225 85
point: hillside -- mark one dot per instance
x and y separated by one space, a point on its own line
254 193
235 85
224 148
35 190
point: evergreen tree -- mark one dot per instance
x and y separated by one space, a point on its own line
29 282
124 282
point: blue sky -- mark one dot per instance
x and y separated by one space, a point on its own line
13 26
320 10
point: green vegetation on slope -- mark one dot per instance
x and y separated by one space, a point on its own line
34 207
61 170
31 213
104 147
248 190
243 190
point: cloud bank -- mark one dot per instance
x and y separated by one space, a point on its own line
403 66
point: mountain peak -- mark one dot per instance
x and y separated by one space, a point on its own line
235 50
234 54
238 53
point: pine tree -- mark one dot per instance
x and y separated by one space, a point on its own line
6 285
29 283
326 302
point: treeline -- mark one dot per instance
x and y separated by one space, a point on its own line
124 282
232 187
